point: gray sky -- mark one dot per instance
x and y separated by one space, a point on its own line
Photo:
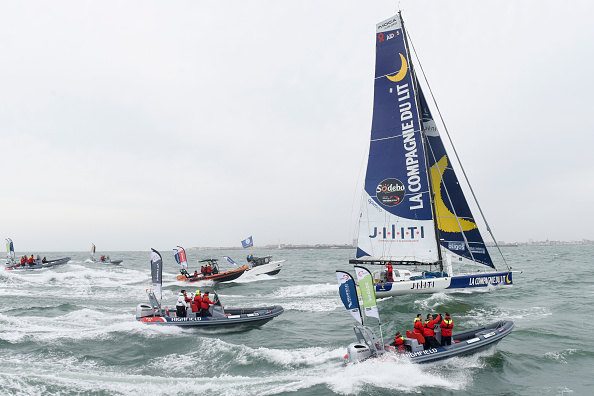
138 124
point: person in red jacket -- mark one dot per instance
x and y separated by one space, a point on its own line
205 304
398 343
31 260
203 270
23 260
418 324
208 269
429 333
446 330
389 273
197 303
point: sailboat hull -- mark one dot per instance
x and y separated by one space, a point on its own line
465 282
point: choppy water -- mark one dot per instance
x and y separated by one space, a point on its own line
72 330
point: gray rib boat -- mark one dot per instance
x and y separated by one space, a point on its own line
38 264
220 316
463 343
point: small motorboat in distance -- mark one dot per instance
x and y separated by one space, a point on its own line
103 259
463 343
215 275
260 266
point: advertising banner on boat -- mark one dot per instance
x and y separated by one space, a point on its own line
92 250
157 272
367 289
229 259
458 231
348 294
180 257
396 219
9 249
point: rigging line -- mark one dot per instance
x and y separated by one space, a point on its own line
456 153
356 231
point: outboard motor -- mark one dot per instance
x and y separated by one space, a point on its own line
144 310
357 352
368 346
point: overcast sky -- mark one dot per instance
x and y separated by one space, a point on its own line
138 124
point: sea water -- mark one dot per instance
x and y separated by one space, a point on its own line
71 329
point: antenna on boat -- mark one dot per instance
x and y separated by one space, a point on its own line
456 153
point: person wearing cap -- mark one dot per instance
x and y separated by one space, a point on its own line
206 303
398 342
197 303
446 330
181 304
429 332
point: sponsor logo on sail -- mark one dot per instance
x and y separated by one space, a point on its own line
388 24
400 234
390 192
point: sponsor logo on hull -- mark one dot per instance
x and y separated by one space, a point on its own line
497 279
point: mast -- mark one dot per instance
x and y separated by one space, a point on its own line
431 193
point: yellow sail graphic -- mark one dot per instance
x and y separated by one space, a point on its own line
446 220
400 75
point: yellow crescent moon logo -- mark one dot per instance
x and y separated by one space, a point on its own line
400 75
446 220
507 279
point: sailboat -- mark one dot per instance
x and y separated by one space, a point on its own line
415 221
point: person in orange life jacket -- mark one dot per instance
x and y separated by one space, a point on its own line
208 269
195 274
398 342
203 270
389 273
429 333
446 330
181 304
31 260
418 324
23 260
205 304
197 303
